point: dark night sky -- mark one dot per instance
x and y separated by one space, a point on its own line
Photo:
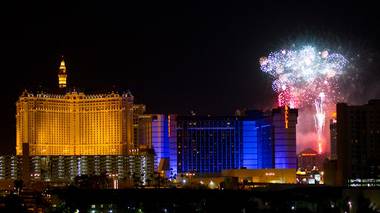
174 57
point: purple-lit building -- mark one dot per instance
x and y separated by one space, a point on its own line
284 121
164 143
160 143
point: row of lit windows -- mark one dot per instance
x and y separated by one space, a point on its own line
77 150
69 106
63 99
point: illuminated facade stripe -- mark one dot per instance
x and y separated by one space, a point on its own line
286 117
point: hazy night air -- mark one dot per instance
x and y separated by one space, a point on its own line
176 57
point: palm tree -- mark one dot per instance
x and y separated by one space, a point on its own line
149 181
171 173
136 180
157 178
18 185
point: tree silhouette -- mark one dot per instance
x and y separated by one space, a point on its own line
18 185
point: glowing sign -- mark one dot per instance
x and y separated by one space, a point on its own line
270 174
301 172
308 154
286 116
169 125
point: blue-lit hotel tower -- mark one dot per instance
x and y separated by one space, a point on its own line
210 144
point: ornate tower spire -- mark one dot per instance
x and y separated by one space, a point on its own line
62 75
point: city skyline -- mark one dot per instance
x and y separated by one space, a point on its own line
200 58
200 106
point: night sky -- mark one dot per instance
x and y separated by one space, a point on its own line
174 57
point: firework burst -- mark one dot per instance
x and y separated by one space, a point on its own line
305 77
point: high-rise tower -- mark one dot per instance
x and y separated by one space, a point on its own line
358 147
74 123
62 74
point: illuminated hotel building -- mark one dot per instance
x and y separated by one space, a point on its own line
145 131
210 144
67 134
164 142
310 167
74 123
10 167
285 176
65 168
158 132
284 121
160 143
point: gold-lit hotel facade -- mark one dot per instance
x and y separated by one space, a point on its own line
74 123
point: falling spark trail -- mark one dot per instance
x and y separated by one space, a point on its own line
319 117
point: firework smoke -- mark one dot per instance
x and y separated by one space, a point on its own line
306 77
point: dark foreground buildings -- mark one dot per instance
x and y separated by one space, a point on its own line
358 144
